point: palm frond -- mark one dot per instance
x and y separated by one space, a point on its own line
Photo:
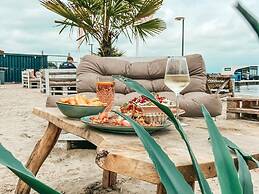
148 8
106 20
151 27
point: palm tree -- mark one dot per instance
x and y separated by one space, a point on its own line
106 20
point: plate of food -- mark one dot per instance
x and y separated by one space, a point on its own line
79 106
143 106
113 123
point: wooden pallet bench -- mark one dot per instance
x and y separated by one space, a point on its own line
220 84
28 79
58 81
243 107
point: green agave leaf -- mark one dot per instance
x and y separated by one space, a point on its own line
226 171
8 160
204 186
234 147
171 178
244 175
249 17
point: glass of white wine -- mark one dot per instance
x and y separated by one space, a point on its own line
177 77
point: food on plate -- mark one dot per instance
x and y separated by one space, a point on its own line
144 101
135 109
81 100
139 105
115 120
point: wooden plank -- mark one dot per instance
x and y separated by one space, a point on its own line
62 92
57 71
47 89
243 99
63 83
69 137
62 76
222 86
39 155
243 110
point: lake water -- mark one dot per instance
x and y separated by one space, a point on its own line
252 90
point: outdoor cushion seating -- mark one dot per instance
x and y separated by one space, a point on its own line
150 73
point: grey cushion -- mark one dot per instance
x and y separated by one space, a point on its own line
149 73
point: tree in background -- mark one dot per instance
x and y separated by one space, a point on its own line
106 20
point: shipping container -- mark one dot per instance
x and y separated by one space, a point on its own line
14 64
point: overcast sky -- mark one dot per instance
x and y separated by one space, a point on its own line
213 28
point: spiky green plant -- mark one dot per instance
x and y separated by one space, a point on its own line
106 20
231 181
249 17
8 160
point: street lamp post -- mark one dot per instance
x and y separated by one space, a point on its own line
91 48
181 19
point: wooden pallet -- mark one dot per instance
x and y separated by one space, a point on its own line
62 90
58 81
243 107
220 84
28 81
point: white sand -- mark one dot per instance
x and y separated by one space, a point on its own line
70 171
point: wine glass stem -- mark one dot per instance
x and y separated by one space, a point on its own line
177 105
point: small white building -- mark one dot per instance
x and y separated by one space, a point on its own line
243 71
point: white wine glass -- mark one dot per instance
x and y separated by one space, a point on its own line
177 77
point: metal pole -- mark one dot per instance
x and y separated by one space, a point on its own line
183 37
91 48
179 18
42 63
137 45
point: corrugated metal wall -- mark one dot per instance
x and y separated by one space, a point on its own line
15 63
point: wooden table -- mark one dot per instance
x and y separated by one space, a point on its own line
125 154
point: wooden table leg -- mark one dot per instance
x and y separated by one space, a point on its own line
192 184
39 154
109 178
160 189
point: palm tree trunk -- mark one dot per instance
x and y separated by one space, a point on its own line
106 47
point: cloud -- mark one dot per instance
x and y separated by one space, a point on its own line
213 28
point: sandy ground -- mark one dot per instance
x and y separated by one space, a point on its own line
72 171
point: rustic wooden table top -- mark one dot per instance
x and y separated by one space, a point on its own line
125 154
